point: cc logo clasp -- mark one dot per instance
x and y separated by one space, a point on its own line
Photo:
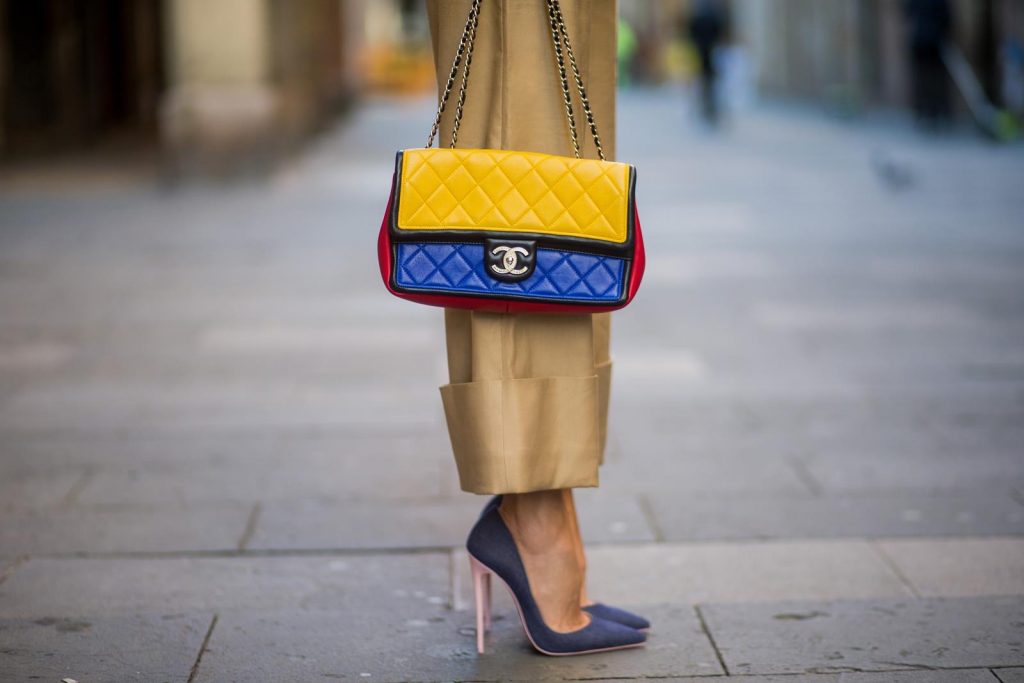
509 260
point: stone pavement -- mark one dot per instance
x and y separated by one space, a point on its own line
222 456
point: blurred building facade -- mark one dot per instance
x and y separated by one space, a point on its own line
848 53
252 76
219 82
854 52
206 82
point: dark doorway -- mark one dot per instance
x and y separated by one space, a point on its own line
77 72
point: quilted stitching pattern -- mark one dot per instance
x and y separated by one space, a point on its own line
486 189
559 275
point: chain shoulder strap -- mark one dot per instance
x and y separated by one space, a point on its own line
555 14
465 48
560 37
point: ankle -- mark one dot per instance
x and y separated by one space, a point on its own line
539 528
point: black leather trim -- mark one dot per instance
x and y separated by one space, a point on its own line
580 244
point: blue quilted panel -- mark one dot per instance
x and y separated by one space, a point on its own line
563 275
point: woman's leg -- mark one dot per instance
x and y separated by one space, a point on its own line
581 557
542 525
603 367
527 396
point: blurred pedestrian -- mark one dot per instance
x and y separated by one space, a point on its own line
707 24
626 46
929 27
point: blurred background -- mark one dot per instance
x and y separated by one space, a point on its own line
203 85
221 444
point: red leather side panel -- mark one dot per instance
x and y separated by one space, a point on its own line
639 257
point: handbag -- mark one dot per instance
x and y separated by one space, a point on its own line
512 231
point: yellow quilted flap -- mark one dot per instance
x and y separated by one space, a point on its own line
488 189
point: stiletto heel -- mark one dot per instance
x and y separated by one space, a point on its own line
481 577
487 601
492 550
597 609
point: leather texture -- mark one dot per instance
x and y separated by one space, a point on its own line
511 191
589 259
499 303
559 275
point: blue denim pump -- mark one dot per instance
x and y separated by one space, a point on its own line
493 550
598 609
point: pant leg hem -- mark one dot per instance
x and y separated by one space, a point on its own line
527 434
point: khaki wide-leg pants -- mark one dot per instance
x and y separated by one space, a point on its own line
527 399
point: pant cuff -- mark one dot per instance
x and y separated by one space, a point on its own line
521 435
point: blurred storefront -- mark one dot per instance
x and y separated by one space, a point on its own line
849 54
205 84
251 77
853 53
224 83
397 58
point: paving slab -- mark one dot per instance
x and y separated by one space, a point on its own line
116 586
943 427
871 635
145 647
31 490
104 405
49 455
125 529
239 467
430 645
24 358
316 368
610 515
364 524
277 339
929 676
1011 675
284 475
688 573
959 566
422 523
735 572
674 470
878 514
852 468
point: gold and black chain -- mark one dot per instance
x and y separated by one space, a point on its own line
560 62
559 35
474 17
474 12
577 77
